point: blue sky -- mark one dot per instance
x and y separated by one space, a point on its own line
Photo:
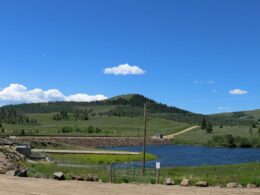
192 53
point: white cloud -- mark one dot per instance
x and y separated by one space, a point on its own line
17 93
221 108
238 92
81 97
198 82
124 69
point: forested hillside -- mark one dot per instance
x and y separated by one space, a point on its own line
128 106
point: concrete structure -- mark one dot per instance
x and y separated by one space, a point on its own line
24 150
6 142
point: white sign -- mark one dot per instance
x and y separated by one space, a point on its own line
158 165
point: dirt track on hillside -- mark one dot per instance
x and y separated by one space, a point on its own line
32 186
180 132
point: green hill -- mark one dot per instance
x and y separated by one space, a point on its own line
117 116
228 135
253 115
130 105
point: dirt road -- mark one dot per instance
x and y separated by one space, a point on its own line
32 186
179 133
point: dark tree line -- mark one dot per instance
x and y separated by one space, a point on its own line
63 115
11 116
205 124
89 130
234 141
82 114
2 129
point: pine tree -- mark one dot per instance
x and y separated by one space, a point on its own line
209 128
251 131
204 123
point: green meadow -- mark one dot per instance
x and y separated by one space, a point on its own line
201 137
214 175
97 158
107 125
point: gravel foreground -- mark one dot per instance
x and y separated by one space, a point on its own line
32 186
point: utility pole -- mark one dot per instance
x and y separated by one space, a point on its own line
144 141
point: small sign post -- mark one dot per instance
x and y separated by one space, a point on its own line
158 166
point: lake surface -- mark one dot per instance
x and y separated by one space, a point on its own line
176 155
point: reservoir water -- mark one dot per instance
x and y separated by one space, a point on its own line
176 155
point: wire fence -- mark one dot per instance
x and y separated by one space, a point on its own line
118 172
133 172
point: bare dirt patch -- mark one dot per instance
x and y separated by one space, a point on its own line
32 186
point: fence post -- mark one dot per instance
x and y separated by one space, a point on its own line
134 170
157 176
111 173
157 172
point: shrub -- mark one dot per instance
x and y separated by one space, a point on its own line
22 132
230 141
2 130
90 129
98 130
66 129
251 131
242 142
225 140
209 128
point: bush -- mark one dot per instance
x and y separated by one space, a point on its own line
98 130
90 129
152 181
66 129
78 130
242 142
251 131
63 115
22 132
230 141
225 140
2 130
209 128
125 180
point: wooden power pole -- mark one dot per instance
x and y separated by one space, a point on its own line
144 141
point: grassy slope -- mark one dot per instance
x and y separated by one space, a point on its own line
101 162
97 158
215 175
200 137
251 113
116 126
161 121
47 170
